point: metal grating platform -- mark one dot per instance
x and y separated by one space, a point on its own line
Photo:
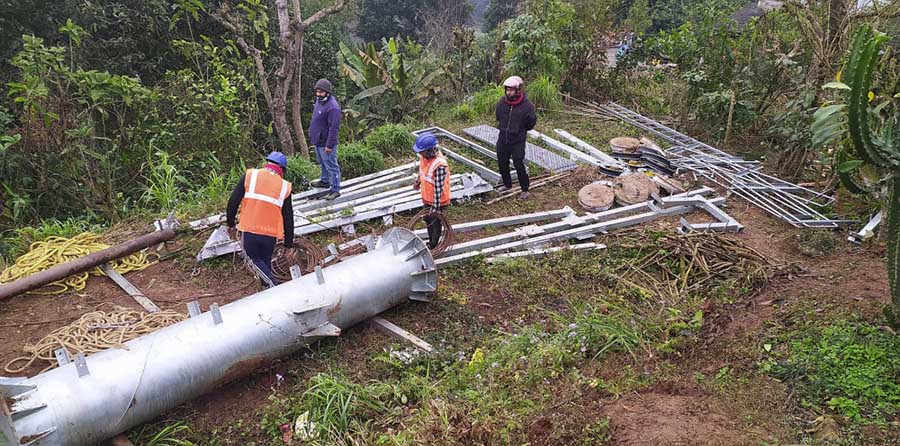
542 157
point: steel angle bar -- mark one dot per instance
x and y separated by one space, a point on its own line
593 151
507 221
372 190
477 187
572 233
538 252
413 196
570 222
375 182
867 231
354 181
560 146
480 169
379 197
386 196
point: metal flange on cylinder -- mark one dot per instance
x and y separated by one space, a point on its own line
89 400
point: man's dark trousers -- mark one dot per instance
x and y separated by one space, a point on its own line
517 153
259 249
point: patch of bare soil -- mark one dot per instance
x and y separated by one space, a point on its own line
675 416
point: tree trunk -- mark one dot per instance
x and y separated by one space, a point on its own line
297 105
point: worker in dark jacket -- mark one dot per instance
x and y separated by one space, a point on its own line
266 212
515 117
323 133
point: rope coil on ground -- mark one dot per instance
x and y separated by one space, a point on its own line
446 239
93 332
54 251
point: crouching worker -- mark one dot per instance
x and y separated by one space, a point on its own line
266 212
433 183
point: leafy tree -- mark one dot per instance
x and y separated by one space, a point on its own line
250 24
498 11
383 19
639 19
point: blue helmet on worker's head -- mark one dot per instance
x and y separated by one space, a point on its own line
424 142
278 158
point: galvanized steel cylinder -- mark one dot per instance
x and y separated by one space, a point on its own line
115 390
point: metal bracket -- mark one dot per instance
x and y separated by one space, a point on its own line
216 314
295 272
193 308
326 329
388 220
81 365
349 229
62 356
320 276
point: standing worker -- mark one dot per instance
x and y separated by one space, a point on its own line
433 183
515 117
266 212
323 132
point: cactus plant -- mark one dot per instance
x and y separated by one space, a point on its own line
872 140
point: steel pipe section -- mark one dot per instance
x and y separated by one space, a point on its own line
83 403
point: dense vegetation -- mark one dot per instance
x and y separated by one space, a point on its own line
117 110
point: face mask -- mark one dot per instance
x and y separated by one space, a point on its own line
323 98
429 154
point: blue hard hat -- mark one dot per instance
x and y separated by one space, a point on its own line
278 158
424 142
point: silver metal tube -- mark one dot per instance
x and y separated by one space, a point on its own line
114 390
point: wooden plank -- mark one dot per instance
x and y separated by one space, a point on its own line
399 333
135 293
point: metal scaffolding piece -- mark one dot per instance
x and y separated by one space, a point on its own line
544 158
348 213
539 252
567 223
91 399
577 232
797 205
867 231
514 220
601 156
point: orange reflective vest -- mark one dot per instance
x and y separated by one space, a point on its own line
426 179
264 194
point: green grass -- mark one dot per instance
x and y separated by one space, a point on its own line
391 140
169 435
849 368
16 242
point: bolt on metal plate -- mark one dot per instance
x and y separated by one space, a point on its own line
62 356
193 308
81 365
216 314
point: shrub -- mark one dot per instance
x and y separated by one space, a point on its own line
544 93
484 101
357 159
301 169
464 112
391 140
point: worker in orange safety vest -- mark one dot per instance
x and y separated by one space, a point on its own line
433 183
266 212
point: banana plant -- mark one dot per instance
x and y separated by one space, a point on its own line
869 136
393 82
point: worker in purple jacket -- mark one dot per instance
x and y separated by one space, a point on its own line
323 133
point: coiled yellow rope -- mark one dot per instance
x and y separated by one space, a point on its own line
56 250
94 332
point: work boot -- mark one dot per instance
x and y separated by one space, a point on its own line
524 195
502 188
331 196
319 184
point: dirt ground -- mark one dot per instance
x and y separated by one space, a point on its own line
675 412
